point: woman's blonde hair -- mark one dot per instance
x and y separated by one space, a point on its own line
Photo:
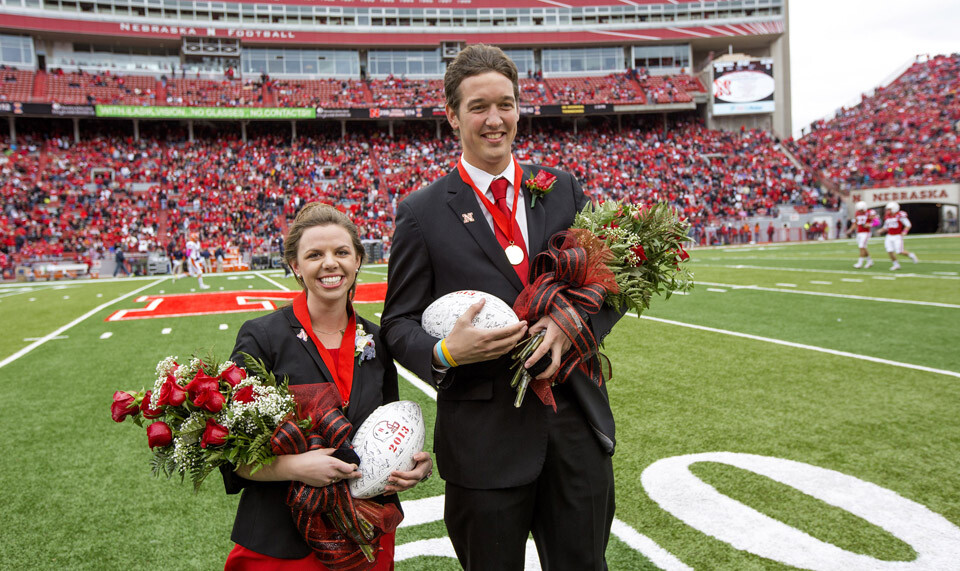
318 214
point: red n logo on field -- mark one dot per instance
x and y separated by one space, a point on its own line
186 304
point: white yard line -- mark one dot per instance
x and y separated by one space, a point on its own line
17 292
826 294
274 282
802 346
845 272
76 321
806 259
649 548
416 382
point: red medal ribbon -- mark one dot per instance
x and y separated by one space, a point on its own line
505 226
341 369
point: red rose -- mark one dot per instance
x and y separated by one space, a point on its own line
171 393
211 400
233 375
202 382
639 253
214 434
145 408
159 434
124 405
244 395
544 180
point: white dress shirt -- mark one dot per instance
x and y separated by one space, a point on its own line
482 180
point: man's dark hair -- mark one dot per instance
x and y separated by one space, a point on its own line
476 60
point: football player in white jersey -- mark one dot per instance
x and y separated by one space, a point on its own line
896 225
194 260
862 223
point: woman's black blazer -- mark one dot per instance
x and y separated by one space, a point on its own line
264 523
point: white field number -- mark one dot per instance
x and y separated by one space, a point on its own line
670 483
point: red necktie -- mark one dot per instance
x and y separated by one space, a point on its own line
499 189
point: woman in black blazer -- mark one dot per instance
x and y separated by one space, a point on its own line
313 340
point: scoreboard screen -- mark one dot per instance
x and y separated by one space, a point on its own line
743 87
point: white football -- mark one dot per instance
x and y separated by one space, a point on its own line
439 317
387 441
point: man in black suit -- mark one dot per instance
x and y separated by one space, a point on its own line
508 471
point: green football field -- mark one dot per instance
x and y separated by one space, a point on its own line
789 412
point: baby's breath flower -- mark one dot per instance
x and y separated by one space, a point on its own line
165 366
185 454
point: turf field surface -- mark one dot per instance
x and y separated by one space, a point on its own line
784 366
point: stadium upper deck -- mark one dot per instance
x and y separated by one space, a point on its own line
377 39
401 23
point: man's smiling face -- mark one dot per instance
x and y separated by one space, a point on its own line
487 120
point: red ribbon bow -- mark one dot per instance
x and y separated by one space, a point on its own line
332 522
572 277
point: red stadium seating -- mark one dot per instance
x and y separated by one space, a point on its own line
76 88
591 90
535 92
16 85
337 93
210 93
393 92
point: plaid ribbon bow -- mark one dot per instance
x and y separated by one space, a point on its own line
572 282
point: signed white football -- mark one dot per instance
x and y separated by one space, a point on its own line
439 317
387 441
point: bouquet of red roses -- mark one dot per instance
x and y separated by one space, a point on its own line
614 253
205 414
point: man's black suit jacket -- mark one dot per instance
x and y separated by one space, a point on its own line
442 243
264 523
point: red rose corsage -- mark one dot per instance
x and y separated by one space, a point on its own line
540 185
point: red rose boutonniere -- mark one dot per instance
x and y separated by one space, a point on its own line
540 185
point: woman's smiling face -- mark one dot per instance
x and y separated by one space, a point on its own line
327 262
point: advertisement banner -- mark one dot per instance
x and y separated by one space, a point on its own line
743 87
45 109
135 112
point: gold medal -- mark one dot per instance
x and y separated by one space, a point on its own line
514 254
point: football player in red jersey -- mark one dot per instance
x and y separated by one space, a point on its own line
896 225
863 222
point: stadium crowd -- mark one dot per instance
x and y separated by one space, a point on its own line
109 191
907 133
240 194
